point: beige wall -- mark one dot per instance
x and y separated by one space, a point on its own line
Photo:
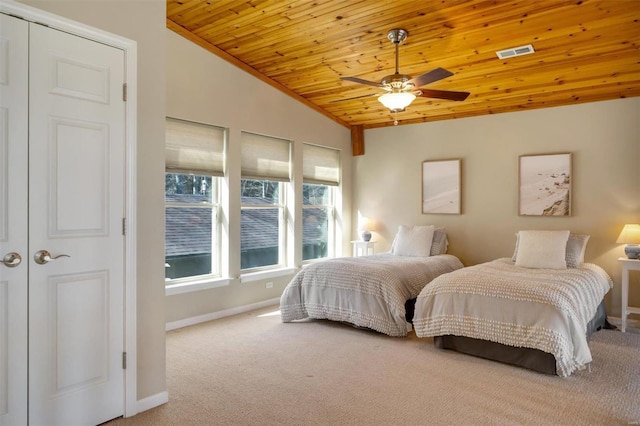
144 22
202 87
604 138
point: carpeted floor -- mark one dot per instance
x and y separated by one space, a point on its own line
251 369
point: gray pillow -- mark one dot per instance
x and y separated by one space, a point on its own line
576 246
440 242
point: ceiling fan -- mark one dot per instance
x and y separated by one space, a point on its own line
401 89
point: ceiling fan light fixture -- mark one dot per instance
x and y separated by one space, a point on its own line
398 101
402 89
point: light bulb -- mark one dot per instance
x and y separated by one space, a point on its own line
397 101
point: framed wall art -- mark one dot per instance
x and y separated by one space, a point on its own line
441 186
545 185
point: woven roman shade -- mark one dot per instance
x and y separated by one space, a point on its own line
194 148
320 165
265 157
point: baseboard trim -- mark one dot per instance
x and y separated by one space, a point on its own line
220 314
152 401
631 322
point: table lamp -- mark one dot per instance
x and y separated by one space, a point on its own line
630 236
365 224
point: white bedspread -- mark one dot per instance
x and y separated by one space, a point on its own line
368 291
534 308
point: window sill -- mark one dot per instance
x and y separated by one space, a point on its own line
311 261
265 275
187 287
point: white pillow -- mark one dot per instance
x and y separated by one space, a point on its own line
542 249
439 245
414 241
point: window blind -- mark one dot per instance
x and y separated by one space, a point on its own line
320 165
265 158
194 148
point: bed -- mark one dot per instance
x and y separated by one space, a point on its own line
375 291
528 310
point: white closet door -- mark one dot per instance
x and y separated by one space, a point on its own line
13 219
76 206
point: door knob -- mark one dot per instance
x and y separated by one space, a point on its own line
11 260
43 256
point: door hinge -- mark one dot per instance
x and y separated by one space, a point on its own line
124 92
124 360
124 226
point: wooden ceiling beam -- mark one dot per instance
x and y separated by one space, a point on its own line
357 140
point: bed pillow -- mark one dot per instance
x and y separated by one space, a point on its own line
439 245
542 249
440 242
576 247
414 241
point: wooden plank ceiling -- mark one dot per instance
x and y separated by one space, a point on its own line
585 51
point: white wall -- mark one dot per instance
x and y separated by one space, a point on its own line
204 88
604 138
144 22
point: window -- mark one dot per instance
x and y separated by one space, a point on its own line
191 226
261 224
321 173
317 221
265 172
194 161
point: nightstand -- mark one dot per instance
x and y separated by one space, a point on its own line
363 248
627 265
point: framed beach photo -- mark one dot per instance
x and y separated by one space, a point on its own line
545 185
441 186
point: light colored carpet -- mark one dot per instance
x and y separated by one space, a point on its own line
251 369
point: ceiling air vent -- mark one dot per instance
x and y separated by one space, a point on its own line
516 51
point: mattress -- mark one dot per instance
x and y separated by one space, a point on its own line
532 359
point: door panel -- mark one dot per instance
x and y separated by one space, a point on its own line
79 80
76 205
69 178
13 218
80 355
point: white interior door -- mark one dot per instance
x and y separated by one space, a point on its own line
76 206
13 219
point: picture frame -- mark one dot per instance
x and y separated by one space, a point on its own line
441 186
545 185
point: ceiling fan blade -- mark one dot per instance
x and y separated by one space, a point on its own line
430 77
356 97
444 94
361 81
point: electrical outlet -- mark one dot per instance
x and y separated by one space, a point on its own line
269 284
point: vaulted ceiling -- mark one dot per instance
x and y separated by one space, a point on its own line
585 51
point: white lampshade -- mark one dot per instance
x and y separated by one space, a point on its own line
397 101
630 236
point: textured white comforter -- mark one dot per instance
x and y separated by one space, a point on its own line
368 291
546 309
